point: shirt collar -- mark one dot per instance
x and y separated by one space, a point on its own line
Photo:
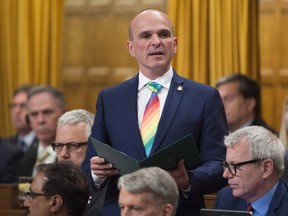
164 80
261 205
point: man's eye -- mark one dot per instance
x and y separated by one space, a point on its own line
145 36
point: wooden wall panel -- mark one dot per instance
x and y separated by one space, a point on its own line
274 54
94 47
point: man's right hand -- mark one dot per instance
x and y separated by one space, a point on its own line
101 168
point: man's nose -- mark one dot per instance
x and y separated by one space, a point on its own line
155 40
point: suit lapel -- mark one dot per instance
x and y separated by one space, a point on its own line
130 112
172 103
277 200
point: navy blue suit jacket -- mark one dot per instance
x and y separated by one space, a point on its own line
196 110
10 156
277 207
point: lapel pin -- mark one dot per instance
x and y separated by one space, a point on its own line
180 88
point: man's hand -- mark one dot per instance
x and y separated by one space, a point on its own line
180 175
101 168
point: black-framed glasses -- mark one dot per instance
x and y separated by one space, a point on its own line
33 195
72 146
233 167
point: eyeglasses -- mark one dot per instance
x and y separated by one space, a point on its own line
32 195
72 146
233 167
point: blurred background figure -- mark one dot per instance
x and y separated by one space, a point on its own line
149 191
24 136
45 104
283 134
73 131
242 101
58 189
9 159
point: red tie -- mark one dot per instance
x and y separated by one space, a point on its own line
249 207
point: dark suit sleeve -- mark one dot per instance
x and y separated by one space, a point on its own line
208 178
90 152
9 159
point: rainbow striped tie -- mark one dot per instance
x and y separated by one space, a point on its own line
151 117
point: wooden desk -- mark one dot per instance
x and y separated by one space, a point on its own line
210 200
9 205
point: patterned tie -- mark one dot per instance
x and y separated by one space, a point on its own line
249 207
151 117
42 156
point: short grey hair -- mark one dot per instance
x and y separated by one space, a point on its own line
263 144
154 180
77 116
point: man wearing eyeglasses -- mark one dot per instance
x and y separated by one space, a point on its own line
57 189
73 131
254 166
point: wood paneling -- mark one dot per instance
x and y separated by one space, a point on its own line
94 47
274 55
95 56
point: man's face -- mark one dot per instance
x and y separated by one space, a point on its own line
248 181
286 117
238 109
153 42
72 134
19 112
38 205
43 113
140 204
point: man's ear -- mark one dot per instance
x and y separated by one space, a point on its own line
56 203
267 168
130 47
167 209
250 103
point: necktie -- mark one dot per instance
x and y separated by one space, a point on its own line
249 207
151 117
42 156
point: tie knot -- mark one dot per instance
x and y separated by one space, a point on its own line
154 86
250 207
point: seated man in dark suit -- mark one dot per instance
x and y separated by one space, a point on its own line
9 159
242 101
254 166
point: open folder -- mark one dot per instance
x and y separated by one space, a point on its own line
166 158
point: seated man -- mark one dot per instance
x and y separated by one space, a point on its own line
58 189
242 101
73 131
254 166
149 191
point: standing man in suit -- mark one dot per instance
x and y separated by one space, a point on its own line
186 107
242 101
254 166
45 105
24 136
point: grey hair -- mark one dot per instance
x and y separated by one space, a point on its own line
56 93
155 181
77 116
263 144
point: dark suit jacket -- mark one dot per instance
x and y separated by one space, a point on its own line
27 162
196 110
261 122
9 159
277 207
